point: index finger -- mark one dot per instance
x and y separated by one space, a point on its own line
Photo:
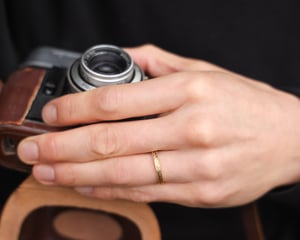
116 102
158 62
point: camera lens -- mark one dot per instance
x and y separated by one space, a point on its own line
107 63
103 65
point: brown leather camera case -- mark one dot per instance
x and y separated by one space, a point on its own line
31 210
16 98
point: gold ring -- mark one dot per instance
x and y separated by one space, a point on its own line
157 167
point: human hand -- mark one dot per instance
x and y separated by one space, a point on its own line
222 139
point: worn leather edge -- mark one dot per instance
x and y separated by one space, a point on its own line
31 195
18 94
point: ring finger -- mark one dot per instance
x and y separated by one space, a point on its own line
134 170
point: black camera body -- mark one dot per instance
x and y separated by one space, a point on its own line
49 73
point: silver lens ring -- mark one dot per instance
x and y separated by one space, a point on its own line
78 84
105 65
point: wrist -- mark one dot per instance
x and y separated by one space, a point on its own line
292 145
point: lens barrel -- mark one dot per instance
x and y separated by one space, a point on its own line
103 65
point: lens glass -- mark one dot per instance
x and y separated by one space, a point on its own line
103 65
108 63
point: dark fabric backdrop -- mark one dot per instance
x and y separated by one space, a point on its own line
256 38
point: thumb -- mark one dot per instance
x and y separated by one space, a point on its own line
155 61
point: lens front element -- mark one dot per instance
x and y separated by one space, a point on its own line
103 65
107 63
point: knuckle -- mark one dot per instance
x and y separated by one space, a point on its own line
148 47
104 141
65 175
212 171
200 132
201 85
212 199
195 87
50 148
108 99
211 195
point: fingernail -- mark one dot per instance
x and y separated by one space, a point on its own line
84 190
50 113
28 151
44 173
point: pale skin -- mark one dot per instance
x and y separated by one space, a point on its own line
222 139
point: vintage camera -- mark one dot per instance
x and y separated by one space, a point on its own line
47 74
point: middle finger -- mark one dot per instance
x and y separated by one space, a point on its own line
101 141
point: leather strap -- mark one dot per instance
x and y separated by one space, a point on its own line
18 94
32 210
252 222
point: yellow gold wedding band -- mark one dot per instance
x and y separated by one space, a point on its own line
157 167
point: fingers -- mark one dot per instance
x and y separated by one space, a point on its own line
157 62
172 193
102 141
134 170
180 166
196 194
116 102
158 95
